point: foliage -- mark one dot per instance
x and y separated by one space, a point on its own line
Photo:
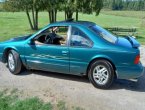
85 6
52 7
1 7
124 4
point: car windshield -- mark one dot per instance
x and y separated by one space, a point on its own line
104 33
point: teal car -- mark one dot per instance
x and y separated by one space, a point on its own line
77 48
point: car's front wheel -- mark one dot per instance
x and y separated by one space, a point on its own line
101 74
14 62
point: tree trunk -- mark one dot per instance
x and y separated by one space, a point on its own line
52 11
55 15
52 15
34 23
36 20
33 18
65 15
77 15
29 19
49 12
69 14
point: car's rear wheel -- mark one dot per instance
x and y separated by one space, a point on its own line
101 74
14 62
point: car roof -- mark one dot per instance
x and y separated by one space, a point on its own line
67 22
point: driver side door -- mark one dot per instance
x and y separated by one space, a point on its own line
49 57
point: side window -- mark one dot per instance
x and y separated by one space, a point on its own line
79 39
55 36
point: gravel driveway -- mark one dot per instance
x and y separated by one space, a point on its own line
77 91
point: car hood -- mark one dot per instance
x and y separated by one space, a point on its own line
128 42
20 38
17 39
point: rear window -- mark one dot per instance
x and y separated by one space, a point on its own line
104 33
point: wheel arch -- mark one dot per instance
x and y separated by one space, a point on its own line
5 53
102 58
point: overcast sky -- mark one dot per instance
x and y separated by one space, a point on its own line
1 0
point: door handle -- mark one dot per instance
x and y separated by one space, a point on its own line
64 52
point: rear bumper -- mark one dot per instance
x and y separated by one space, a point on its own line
130 72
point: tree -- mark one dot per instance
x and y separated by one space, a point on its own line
69 8
52 6
78 7
32 8
7 6
85 6
124 4
120 4
144 4
97 5
141 4
28 6
113 5
117 5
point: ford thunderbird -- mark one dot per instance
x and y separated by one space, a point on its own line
77 48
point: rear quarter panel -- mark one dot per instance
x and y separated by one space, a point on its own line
81 57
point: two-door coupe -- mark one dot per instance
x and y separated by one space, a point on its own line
78 48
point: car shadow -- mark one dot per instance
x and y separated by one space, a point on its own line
83 79
138 86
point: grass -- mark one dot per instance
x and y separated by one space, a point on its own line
16 24
10 101
134 14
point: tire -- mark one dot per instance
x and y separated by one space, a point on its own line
14 62
101 74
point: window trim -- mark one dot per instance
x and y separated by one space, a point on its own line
67 40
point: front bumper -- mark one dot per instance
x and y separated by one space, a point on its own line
130 72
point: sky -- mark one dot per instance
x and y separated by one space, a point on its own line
1 0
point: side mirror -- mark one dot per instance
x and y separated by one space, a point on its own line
31 42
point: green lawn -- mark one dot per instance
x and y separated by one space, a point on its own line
134 14
15 24
10 101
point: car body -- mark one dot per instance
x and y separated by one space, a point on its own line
78 53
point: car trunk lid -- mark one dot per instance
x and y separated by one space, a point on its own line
128 42
133 41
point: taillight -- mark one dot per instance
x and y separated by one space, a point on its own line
137 59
